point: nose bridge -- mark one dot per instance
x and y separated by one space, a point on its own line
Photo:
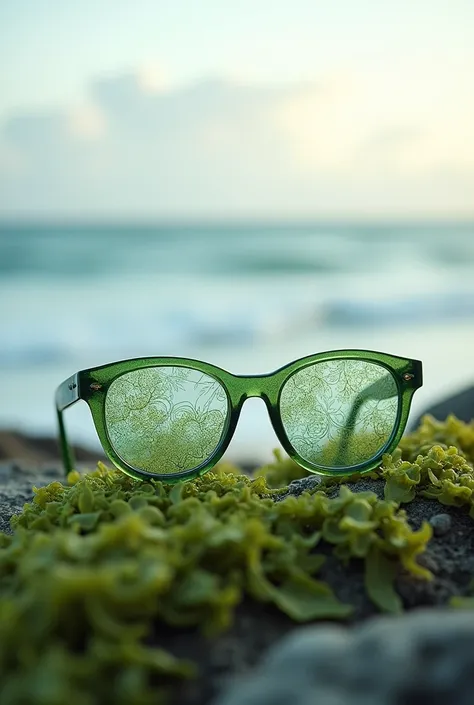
265 387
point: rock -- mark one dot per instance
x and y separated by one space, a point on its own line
460 405
16 487
305 484
257 626
423 657
27 461
449 555
312 482
18 446
441 524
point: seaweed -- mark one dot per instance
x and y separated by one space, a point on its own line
449 433
98 568
433 470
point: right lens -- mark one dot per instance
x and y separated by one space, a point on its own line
165 419
339 413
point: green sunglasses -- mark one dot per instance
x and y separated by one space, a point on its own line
335 413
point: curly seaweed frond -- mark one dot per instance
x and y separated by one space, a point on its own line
430 432
442 474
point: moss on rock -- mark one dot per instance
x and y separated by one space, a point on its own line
435 469
98 571
430 432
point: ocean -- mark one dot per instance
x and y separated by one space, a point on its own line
248 297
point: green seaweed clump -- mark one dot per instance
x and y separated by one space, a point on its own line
442 474
430 433
451 432
425 466
97 572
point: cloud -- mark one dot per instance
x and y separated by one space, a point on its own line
141 147
87 122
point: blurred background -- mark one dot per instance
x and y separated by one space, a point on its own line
246 183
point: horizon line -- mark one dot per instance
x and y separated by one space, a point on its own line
174 220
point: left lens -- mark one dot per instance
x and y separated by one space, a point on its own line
339 413
165 419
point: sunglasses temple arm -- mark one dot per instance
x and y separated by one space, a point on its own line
66 394
377 391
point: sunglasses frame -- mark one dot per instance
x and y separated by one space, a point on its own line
91 385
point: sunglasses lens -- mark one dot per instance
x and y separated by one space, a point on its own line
340 413
165 419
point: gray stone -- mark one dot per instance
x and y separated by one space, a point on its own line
16 487
423 657
441 524
305 484
311 484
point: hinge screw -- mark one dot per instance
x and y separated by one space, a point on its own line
95 386
72 386
408 376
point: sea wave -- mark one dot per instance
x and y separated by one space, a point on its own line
101 334
92 250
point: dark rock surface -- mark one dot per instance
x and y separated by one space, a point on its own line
35 450
460 404
449 555
16 487
29 460
422 658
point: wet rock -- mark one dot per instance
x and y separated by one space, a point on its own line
423 657
35 450
441 524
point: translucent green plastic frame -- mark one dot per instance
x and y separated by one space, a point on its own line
397 378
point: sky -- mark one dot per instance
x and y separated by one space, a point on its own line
202 108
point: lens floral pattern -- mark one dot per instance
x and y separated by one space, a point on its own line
339 413
165 419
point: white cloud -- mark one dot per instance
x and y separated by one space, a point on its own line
87 122
152 78
140 147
